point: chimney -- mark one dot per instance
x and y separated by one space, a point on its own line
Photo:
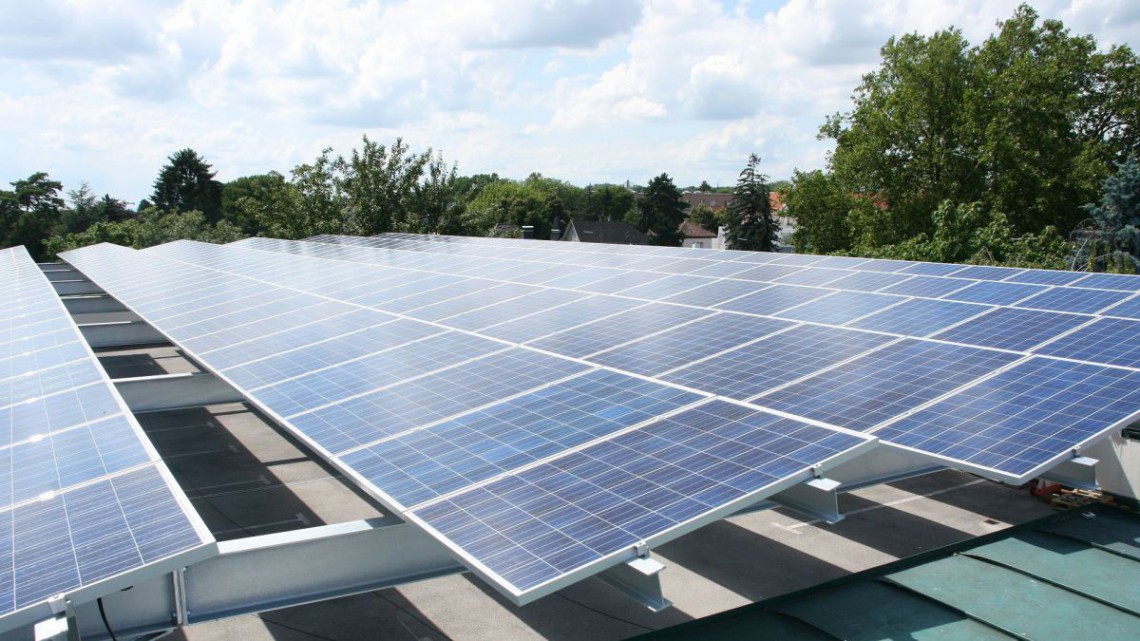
528 232
556 234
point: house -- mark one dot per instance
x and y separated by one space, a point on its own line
697 236
714 201
614 233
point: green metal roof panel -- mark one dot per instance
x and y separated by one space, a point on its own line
874 611
1069 564
1019 604
1073 575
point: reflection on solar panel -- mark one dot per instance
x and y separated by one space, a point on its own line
1022 419
672 348
1080 301
871 389
840 307
920 317
757 367
1114 341
513 418
83 496
1009 328
1127 309
994 293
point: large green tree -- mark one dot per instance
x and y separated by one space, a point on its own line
186 182
749 221
1114 244
1027 123
661 212
30 213
820 205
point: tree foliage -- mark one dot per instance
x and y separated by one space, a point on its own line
152 227
660 212
30 213
187 183
820 206
1115 243
749 222
1027 123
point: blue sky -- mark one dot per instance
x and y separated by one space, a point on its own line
103 91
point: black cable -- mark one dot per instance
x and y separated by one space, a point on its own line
413 615
106 623
605 614
289 627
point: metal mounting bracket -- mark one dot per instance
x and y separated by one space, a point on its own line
639 580
817 498
1079 472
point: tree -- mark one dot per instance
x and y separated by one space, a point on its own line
1028 123
748 219
607 202
152 227
1116 244
661 212
86 210
707 217
819 205
187 183
30 213
377 183
705 186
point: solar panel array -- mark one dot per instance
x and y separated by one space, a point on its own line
399 378
504 394
83 496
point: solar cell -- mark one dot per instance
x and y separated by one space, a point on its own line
665 287
548 321
768 273
813 276
682 345
619 282
1121 282
878 386
719 268
868 281
1071 299
1010 328
840 307
620 328
718 291
986 272
1045 277
929 286
919 317
1127 309
931 269
773 299
757 367
1114 341
424 464
994 293
883 265
649 484
1022 419
343 424
839 262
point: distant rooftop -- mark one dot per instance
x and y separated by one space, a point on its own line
614 233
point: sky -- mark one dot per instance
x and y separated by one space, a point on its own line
104 91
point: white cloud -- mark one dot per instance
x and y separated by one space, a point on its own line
584 90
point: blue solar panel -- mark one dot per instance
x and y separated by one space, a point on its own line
1072 299
1114 341
745 372
1045 277
813 276
768 273
1127 309
618 329
621 281
1009 328
511 309
994 293
987 272
920 317
388 411
1024 418
839 262
795 259
474 300
718 268
687 343
424 464
556 319
840 307
931 269
533 527
774 299
927 286
665 287
1122 282
716 292
871 389
883 265
868 281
